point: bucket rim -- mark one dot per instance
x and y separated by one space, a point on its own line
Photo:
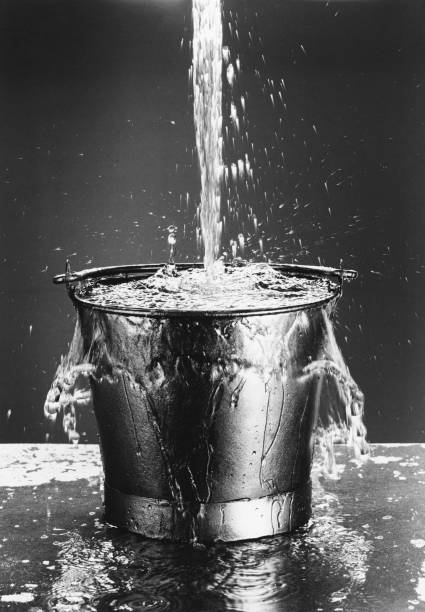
75 282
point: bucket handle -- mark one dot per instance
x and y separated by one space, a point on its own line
347 275
71 277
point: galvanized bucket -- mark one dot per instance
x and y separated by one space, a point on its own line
205 420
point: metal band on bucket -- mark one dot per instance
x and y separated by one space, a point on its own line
239 519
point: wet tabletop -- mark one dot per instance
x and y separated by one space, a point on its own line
363 550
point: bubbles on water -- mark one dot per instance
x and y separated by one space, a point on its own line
238 287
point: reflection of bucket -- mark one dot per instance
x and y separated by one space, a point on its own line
206 424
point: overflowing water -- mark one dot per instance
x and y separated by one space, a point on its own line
288 362
341 420
109 345
237 288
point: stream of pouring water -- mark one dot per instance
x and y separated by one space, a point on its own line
341 419
207 90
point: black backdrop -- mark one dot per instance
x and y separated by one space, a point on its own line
96 113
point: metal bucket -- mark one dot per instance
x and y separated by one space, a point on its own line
205 421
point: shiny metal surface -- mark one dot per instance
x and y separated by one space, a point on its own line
208 417
240 519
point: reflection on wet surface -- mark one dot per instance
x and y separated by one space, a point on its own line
363 550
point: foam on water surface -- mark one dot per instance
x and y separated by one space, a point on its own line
253 286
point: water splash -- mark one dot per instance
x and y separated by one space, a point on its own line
172 240
341 419
207 90
340 402
70 388
251 286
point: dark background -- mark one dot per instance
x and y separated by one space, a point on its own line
97 159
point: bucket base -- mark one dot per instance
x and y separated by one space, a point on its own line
241 519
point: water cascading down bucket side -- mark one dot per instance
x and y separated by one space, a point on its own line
206 420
